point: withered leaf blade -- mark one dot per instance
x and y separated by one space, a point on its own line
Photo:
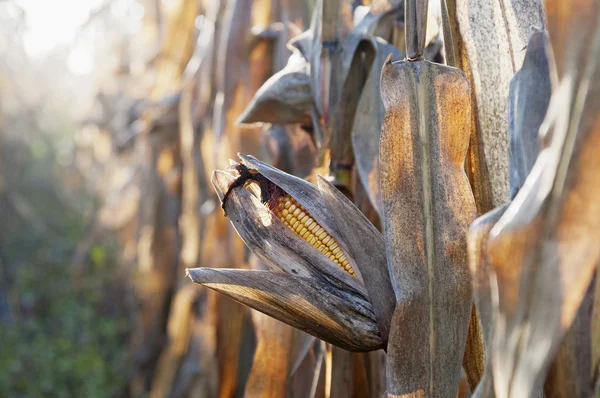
302 345
367 247
570 374
544 249
272 358
285 98
480 268
342 318
427 208
494 34
528 99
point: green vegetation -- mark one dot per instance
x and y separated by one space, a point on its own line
66 331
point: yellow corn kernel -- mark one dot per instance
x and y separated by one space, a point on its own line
292 214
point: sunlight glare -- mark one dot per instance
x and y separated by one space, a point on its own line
53 23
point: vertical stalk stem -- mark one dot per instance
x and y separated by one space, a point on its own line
415 28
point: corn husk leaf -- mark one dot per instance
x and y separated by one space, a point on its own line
366 245
352 230
277 246
427 207
337 316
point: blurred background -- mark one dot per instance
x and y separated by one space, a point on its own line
112 116
70 74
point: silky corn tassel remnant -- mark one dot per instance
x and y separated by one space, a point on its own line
292 214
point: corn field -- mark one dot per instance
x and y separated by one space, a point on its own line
335 198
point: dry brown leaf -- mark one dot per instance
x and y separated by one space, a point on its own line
493 35
272 361
368 119
528 99
475 164
543 251
285 98
479 233
343 318
427 207
570 374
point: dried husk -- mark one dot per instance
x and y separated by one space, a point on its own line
337 316
275 244
366 245
282 250
358 238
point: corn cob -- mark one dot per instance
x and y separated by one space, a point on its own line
292 214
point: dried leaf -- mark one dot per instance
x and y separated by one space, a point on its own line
285 98
475 164
427 207
341 317
544 250
272 361
493 35
480 268
243 65
570 374
528 100
368 119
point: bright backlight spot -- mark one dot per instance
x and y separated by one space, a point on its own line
53 23
80 61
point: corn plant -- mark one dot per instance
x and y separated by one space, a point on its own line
478 162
